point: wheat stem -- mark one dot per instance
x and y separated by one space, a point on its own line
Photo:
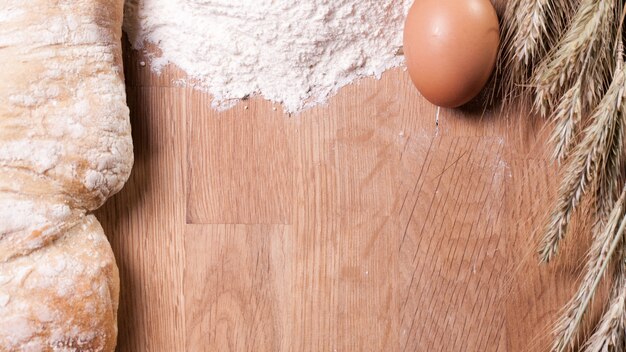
601 255
585 165
571 60
530 28
610 333
608 180
567 116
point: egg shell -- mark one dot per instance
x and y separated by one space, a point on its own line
450 48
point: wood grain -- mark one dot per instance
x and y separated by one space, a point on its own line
452 246
238 301
146 222
228 180
360 225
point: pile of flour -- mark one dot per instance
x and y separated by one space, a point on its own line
294 52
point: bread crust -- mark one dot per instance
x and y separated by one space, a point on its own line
65 148
63 296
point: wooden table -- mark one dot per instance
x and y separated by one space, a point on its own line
355 226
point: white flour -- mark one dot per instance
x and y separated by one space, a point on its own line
295 52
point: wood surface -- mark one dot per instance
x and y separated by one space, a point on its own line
360 225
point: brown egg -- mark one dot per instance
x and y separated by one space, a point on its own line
450 48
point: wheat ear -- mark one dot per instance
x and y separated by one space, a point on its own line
610 334
611 330
602 251
585 164
567 117
529 29
607 189
568 114
572 58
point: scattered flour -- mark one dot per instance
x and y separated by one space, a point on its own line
297 53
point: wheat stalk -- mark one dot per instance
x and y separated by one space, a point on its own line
610 333
585 164
607 189
567 116
582 73
574 54
601 67
611 330
533 18
603 248
530 28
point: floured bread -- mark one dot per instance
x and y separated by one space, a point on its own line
65 147
62 297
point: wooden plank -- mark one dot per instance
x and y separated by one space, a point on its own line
530 184
145 222
345 244
236 285
240 164
538 292
450 250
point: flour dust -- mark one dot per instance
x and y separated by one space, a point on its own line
294 52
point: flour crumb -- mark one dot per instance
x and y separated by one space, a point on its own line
298 53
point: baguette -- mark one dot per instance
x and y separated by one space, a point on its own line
65 148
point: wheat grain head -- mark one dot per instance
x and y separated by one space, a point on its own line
601 255
581 170
610 333
581 50
529 29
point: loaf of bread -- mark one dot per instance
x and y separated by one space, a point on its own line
65 147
